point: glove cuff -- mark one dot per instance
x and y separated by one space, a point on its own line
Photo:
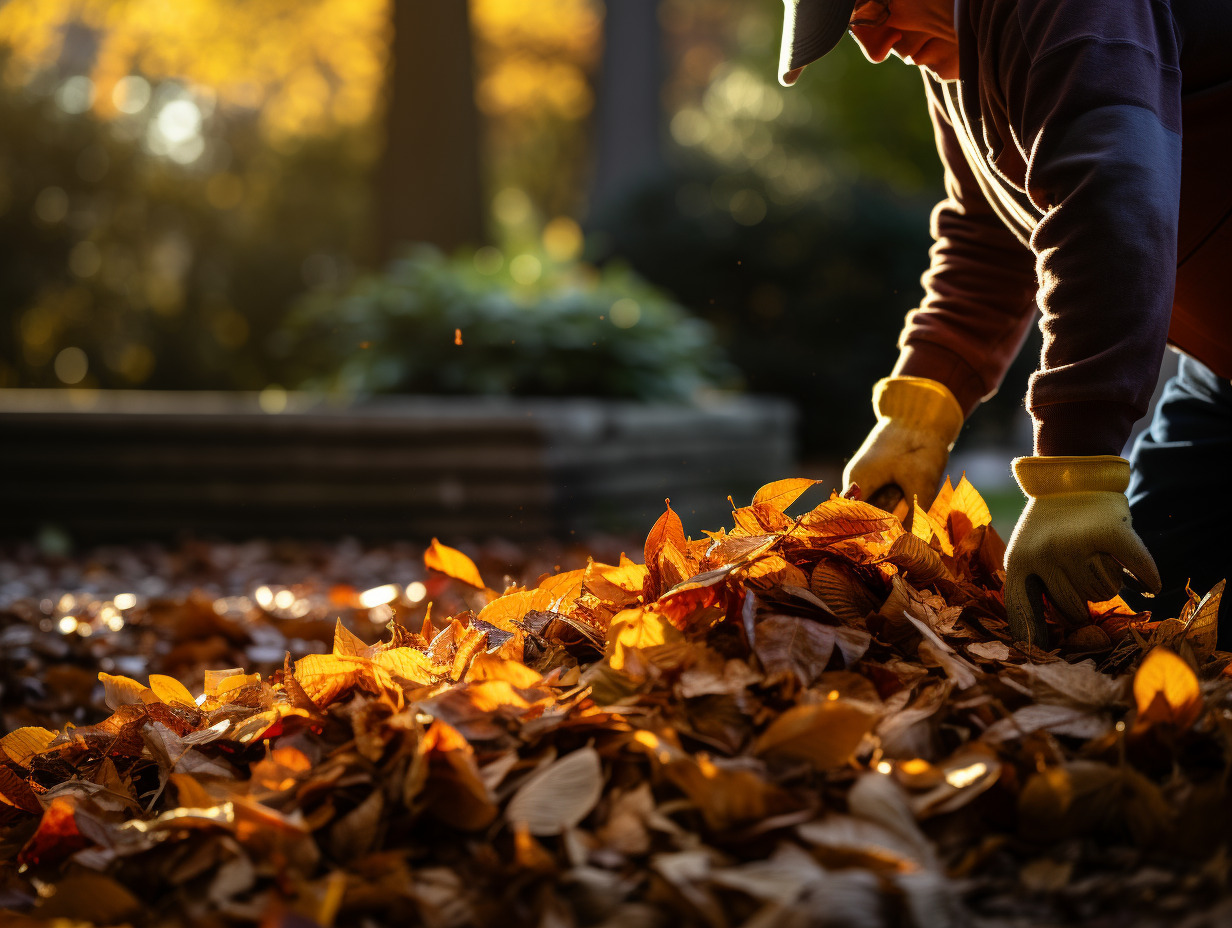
1053 476
919 403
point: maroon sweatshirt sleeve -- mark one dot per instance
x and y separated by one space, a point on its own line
979 290
1093 93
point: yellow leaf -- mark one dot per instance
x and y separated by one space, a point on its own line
668 530
453 563
347 642
490 667
234 682
1166 689
512 607
629 576
782 493
565 588
325 677
968 511
24 744
411 665
121 691
215 678
170 690
825 734
637 629
926 528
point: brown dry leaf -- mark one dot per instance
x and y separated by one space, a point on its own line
90 897
453 563
842 590
789 646
918 562
825 734
454 791
16 792
782 493
1202 631
558 796
1167 690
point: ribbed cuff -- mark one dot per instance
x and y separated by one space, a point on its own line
919 403
1082 428
925 359
1051 476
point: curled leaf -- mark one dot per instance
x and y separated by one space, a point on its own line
453 563
1166 689
560 795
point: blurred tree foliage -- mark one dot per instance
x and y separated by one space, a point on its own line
793 219
172 176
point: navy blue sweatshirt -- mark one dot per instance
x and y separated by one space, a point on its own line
1087 147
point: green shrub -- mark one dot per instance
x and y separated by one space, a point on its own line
573 331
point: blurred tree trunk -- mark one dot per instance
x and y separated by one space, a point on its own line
628 129
429 187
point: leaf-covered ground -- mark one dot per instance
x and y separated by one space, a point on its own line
801 719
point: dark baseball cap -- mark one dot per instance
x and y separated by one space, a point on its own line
811 28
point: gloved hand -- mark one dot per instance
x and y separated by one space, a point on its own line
1074 541
918 421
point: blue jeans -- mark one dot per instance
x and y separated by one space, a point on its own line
1180 494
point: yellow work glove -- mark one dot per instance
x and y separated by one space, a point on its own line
1074 541
918 421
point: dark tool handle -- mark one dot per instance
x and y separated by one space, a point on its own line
888 497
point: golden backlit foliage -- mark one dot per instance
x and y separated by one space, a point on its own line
535 56
305 64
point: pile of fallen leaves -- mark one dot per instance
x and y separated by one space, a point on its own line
809 720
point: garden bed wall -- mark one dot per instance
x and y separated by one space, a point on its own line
122 465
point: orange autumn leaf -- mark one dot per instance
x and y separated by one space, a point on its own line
1166 689
453 563
782 493
668 530
825 734
943 502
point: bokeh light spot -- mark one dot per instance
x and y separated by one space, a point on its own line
71 365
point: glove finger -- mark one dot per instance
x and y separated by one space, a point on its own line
1065 598
1104 578
1024 609
1141 574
